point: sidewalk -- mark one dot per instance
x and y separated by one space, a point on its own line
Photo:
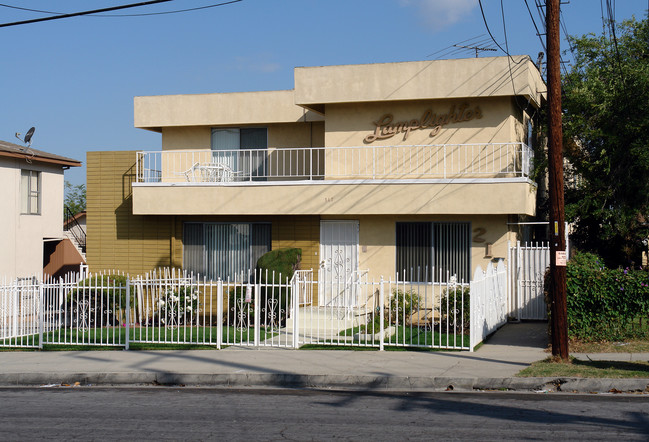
491 367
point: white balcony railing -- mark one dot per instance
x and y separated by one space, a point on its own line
448 161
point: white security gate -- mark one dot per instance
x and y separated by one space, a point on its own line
526 271
339 263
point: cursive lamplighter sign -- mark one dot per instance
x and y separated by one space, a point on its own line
385 128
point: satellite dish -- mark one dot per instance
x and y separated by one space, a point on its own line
28 135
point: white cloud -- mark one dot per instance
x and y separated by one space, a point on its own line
442 13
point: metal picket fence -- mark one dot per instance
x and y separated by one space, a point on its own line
528 263
171 307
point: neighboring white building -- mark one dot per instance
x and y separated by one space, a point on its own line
31 221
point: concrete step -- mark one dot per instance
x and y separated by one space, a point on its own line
328 319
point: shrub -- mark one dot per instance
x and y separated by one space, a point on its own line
605 304
98 299
455 309
177 306
278 262
276 267
402 305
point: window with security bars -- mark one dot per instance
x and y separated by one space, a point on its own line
224 250
433 251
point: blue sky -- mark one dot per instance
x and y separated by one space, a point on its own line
74 79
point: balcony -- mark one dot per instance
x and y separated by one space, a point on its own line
336 180
277 165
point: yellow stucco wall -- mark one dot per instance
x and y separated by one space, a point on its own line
117 239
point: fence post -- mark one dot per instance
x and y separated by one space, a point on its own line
257 311
128 311
41 312
381 314
519 288
473 320
219 313
295 302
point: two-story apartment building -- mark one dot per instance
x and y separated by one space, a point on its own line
31 224
395 168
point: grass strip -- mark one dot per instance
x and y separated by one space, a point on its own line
577 368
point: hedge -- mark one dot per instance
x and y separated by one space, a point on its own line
606 304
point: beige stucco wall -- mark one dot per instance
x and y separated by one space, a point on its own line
377 240
418 80
344 199
238 108
310 134
22 235
349 124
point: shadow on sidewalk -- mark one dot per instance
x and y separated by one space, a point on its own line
520 334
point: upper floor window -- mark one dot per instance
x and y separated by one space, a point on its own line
30 192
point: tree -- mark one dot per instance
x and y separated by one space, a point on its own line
75 198
606 129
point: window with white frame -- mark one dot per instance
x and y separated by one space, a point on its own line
30 192
433 251
224 250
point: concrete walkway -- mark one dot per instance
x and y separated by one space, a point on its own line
492 366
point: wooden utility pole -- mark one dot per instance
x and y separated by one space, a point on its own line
555 172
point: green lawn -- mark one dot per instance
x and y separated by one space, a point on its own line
408 336
139 338
587 369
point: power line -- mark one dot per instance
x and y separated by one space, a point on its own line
177 11
611 21
538 34
484 19
77 14
479 40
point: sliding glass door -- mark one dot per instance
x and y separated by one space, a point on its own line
243 150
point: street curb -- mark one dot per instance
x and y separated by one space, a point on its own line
343 382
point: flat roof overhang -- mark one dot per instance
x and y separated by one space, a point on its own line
220 109
315 87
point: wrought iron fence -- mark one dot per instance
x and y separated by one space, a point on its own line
254 309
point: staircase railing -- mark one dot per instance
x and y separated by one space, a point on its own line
72 226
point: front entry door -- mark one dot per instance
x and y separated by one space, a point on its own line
339 263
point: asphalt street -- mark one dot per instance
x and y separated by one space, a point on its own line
92 413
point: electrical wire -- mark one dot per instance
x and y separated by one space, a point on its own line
538 33
511 74
484 19
127 15
76 14
170 12
611 21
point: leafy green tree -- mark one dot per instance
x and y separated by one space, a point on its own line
606 129
75 197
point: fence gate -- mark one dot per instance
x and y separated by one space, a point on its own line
527 266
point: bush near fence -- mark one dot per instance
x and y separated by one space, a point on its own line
276 269
606 304
455 309
107 293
